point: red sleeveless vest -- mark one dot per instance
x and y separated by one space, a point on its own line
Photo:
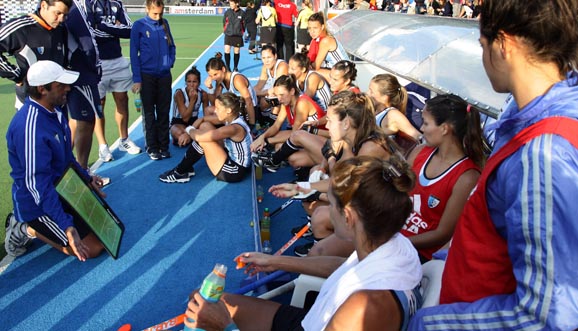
478 264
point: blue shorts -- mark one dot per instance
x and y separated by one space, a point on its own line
83 103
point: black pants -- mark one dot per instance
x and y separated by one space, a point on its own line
252 30
285 37
156 102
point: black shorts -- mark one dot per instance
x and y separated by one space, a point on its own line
235 41
268 35
83 103
303 37
231 172
178 120
288 318
48 227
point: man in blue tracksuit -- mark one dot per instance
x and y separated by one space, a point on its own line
39 152
152 55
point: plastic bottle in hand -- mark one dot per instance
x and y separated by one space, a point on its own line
213 287
137 102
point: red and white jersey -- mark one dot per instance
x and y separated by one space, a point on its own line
430 195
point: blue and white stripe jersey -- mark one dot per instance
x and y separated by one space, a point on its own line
196 107
234 90
323 95
240 152
531 200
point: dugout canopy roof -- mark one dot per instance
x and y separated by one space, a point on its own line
441 54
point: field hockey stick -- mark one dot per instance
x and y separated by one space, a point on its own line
177 320
283 207
293 240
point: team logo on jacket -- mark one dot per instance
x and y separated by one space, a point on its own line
432 201
40 50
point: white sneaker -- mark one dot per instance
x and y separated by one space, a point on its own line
104 153
128 146
103 180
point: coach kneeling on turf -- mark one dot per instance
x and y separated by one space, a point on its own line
39 152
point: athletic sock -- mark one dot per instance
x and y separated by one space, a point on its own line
194 153
228 61
24 229
236 58
285 151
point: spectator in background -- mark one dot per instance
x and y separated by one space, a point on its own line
511 263
267 18
287 14
111 22
233 26
39 152
83 99
42 34
152 55
303 37
448 8
251 24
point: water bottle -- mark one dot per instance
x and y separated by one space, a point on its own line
260 193
266 227
213 287
137 102
267 249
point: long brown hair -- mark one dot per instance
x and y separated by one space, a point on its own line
378 192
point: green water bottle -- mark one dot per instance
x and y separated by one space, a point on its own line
265 226
137 102
212 288
214 284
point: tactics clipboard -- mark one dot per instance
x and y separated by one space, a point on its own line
91 209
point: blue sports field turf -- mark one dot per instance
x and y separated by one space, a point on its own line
175 233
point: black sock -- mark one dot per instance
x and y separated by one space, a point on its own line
236 58
228 61
194 153
285 151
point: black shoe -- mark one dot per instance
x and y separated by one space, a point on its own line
307 233
154 155
165 154
236 70
261 157
303 250
270 166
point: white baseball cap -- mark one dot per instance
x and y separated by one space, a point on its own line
45 72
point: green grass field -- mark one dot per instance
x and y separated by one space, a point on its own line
192 35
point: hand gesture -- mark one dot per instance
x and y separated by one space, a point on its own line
256 262
136 87
206 315
287 190
79 249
